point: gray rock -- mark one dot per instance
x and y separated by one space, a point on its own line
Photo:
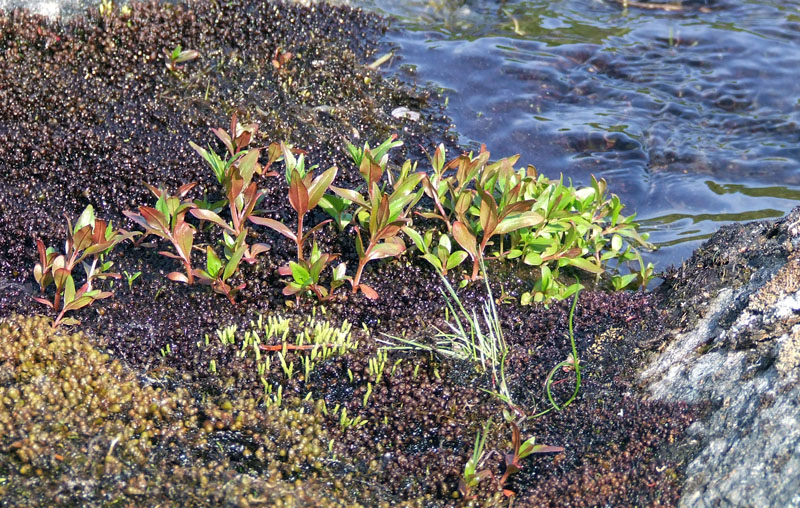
739 352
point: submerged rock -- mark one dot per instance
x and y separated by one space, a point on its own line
733 310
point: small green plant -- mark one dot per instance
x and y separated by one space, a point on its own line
90 238
520 450
512 460
306 275
131 277
167 221
236 143
472 476
218 272
173 58
442 257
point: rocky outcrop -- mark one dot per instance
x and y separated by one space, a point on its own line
732 315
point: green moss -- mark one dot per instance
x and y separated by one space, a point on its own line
77 426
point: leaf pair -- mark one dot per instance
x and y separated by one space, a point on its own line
306 275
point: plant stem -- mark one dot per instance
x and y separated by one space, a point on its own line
299 238
357 279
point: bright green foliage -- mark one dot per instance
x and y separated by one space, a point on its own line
306 275
442 256
521 214
218 272
88 238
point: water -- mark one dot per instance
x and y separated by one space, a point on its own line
691 116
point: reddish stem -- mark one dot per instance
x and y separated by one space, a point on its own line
304 347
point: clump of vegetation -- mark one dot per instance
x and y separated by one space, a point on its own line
90 238
61 393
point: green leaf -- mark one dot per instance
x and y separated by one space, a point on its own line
430 258
233 262
456 259
339 272
300 274
86 218
616 242
320 184
532 259
350 195
585 264
415 237
523 220
69 290
213 262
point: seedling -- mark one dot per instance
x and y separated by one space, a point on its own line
519 451
167 220
177 56
442 258
471 476
217 273
306 275
89 237
304 195
130 277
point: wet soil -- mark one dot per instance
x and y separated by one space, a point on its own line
146 406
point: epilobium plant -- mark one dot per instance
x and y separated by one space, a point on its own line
442 257
89 238
177 56
306 275
304 194
167 221
380 213
218 272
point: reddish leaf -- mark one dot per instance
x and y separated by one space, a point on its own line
386 250
44 301
177 277
465 239
368 291
298 194
210 216
273 224
184 237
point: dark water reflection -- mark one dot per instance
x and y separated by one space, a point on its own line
692 116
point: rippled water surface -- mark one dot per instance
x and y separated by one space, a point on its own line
692 116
